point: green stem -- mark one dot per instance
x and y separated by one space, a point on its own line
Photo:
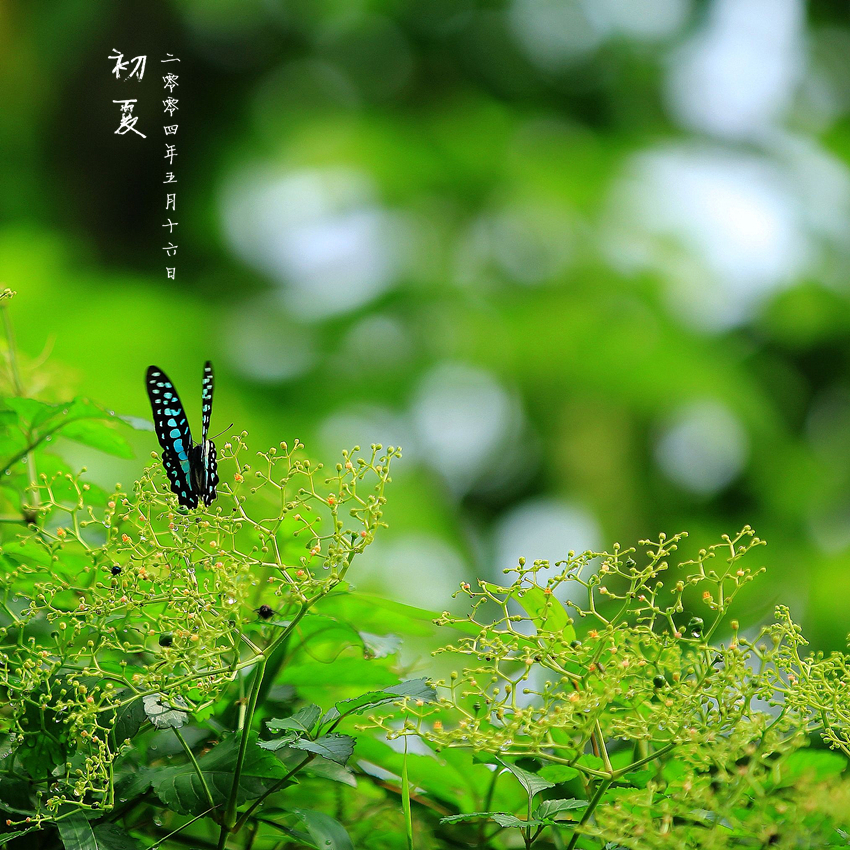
277 786
405 799
197 767
640 762
229 820
603 787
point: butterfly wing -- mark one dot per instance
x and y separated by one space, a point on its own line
206 399
174 435
209 491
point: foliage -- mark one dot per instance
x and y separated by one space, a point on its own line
604 688
213 679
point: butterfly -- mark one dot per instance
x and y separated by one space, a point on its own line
191 468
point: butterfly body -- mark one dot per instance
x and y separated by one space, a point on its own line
191 467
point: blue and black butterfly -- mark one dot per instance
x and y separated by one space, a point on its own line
191 468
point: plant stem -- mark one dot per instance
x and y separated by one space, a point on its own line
279 784
405 799
603 787
229 820
197 767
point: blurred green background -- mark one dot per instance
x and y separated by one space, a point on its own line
586 260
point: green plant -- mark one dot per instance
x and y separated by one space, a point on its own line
212 679
633 713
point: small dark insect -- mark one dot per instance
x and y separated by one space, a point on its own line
191 468
264 611
659 682
116 570
166 639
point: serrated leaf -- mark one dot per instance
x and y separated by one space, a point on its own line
165 713
327 833
502 818
415 689
180 787
302 721
9 836
334 747
279 743
331 770
76 832
549 808
532 782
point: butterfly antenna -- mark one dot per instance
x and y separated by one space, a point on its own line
216 436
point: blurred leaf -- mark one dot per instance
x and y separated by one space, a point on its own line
137 423
343 672
558 773
98 435
111 836
327 833
380 646
816 764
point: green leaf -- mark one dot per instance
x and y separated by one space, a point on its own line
327 833
415 689
302 721
591 761
330 770
136 423
334 747
279 743
558 773
343 672
31 410
110 836
15 796
180 787
98 435
816 764
9 836
133 783
378 615
76 832
546 612
165 714
532 782
380 646
129 719
501 818
549 808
